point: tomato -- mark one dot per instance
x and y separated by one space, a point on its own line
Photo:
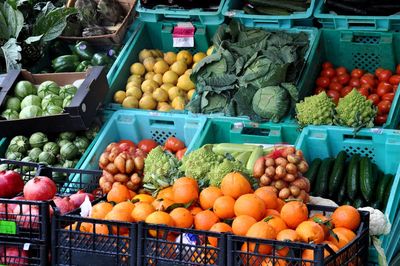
367 86
381 119
323 82
385 75
335 79
341 71
374 98
354 83
388 96
126 145
318 90
368 79
335 86
357 73
346 90
327 65
174 144
394 80
334 95
364 91
384 107
398 69
384 88
147 145
179 154
328 72
378 71
344 79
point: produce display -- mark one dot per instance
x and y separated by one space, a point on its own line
160 81
275 7
363 7
208 4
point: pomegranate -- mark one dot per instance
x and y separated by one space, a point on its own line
13 256
11 184
28 216
9 214
64 205
79 197
40 188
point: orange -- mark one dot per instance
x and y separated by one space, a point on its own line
131 194
332 246
264 231
241 224
269 212
162 204
208 196
309 231
100 229
100 210
125 206
143 198
119 216
186 181
250 204
119 194
308 254
276 222
235 184
286 235
86 227
182 217
344 235
281 203
276 262
294 213
200 258
270 198
185 190
159 217
195 210
346 216
141 211
220 228
249 259
166 193
325 225
223 207
204 220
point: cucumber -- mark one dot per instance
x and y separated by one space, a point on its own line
353 177
341 197
313 171
321 184
375 177
380 188
257 153
367 182
337 175
387 190
376 205
358 203
347 202
243 157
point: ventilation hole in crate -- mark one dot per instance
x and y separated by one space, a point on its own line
161 136
366 61
366 151
191 50
366 39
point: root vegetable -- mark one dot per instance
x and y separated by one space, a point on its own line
269 162
130 185
293 158
288 150
139 163
284 193
281 161
106 187
280 184
129 166
112 156
111 168
103 161
265 180
270 171
121 178
291 168
300 154
115 184
295 191
259 167
302 183
111 146
135 179
280 171
289 178
303 167
302 196
119 162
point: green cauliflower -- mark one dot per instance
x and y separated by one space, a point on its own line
219 171
161 169
315 110
354 110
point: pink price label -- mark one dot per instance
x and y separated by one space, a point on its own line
181 32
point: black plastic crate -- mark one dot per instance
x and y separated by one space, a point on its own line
169 247
34 223
354 253
14 253
76 242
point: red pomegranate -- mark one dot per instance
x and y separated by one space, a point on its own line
65 205
11 184
40 188
79 197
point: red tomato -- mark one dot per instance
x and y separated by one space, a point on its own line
374 99
335 79
327 65
323 82
368 79
388 96
341 71
179 154
378 71
398 69
364 91
367 86
357 73
381 119
126 145
318 90
328 72
334 95
346 90
385 75
354 83
147 145
344 79
335 86
174 144
394 80
384 88
384 107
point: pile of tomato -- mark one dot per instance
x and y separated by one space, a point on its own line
379 87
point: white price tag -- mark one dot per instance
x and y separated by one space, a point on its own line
183 42
26 246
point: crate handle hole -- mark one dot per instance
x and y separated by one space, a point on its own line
357 137
161 122
256 131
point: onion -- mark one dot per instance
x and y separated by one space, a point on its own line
289 178
14 256
294 190
284 193
303 167
280 184
280 172
281 161
291 168
265 180
269 162
292 158
11 184
65 205
288 150
270 171
78 198
40 188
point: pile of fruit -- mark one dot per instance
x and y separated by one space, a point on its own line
160 81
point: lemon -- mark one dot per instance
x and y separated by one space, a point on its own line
157 53
161 67
185 83
198 57
138 69
210 50
160 95
178 103
170 77
188 72
149 75
179 67
144 54
149 86
130 102
166 86
149 64
119 96
148 94
186 56
134 76
147 102
158 78
134 83
194 65
135 92
190 94
160 59
170 58
174 92
163 107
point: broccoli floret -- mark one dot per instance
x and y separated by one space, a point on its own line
354 110
315 110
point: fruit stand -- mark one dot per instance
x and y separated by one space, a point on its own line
220 132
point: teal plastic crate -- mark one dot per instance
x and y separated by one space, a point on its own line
354 49
333 21
381 146
211 16
137 125
233 9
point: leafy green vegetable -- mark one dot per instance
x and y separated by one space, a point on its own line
13 103
31 100
51 99
11 21
67 90
53 110
24 88
10 114
30 112
46 88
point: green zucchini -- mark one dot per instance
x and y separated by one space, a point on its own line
336 177
358 203
367 182
387 190
313 171
380 188
353 177
321 184
347 202
376 205
341 197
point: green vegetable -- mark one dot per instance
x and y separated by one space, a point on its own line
13 103
69 164
48 87
62 142
68 135
31 100
322 182
65 63
47 158
19 144
341 197
10 114
353 177
313 172
68 90
53 110
337 174
52 99
24 88
67 101
358 203
219 171
83 66
30 112
52 148
315 110
224 148
82 143
257 153
13 155
367 182
27 168
69 151
92 132
388 189
384 182
83 50
38 139
34 154
100 59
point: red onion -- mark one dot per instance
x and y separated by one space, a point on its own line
40 188
11 184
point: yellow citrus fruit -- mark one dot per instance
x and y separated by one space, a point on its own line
147 102
133 78
130 102
137 69
164 108
186 56
210 50
188 72
194 65
144 54
149 86
185 83
160 95
198 57
174 92
134 92
161 67
149 75
149 63
170 77
170 57
179 67
157 53
190 94
119 96
178 103
158 78
166 86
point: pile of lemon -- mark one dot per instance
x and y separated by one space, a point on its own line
160 81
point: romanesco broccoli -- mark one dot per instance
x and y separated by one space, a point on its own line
315 110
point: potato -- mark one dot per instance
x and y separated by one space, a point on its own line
259 168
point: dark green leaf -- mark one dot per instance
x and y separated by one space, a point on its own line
11 19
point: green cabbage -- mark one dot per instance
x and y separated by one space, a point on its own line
13 103
53 110
48 87
30 112
51 99
10 114
24 88
31 100
67 101
68 90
